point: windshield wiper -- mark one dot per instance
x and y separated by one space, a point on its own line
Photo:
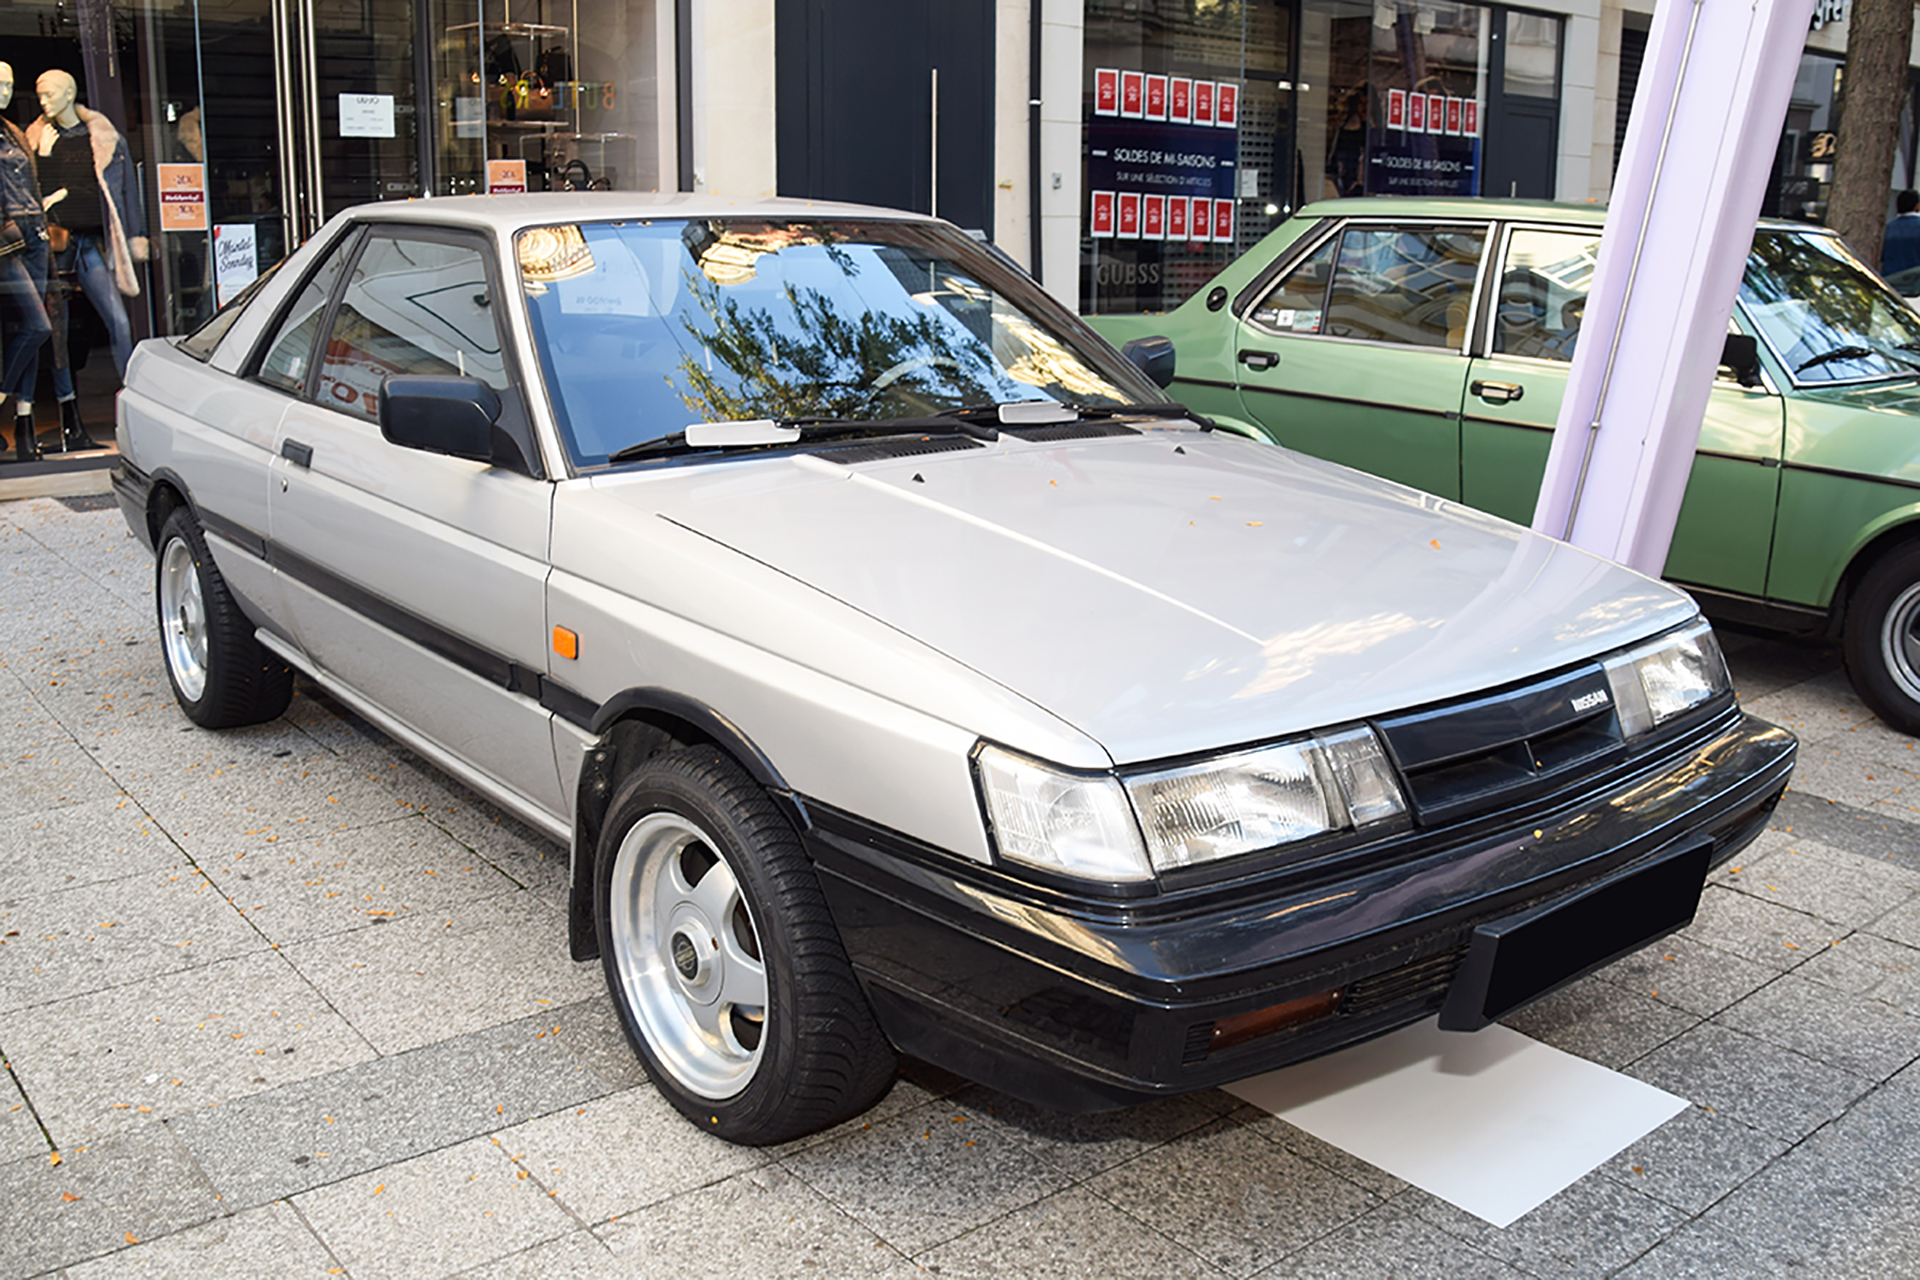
1837 353
785 432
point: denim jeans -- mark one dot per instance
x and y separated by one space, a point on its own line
23 281
86 260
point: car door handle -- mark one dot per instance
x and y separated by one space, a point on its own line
1498 392
300 455
1259 359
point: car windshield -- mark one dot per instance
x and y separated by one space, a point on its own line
645 327
1827 316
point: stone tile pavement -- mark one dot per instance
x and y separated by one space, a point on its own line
282 1002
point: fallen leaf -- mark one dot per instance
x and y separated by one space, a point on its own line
54 1158
132 1238
68 1196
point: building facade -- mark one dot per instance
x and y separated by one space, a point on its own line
1123 150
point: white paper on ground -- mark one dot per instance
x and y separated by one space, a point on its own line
1491 1121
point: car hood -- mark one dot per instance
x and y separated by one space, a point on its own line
1174 591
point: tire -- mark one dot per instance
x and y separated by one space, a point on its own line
221 675
723 962
1883 638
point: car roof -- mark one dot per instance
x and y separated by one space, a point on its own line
507 214
1584 213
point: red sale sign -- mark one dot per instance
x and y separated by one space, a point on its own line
1223 220
1470 118
1453 116
1417 113
1106 92
1436 112
1156 97
1103 213
1133 93
1226 105
1153 218
1129 217
1396 108
1203 102
1180 100
1176 217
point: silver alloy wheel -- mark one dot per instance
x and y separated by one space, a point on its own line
1900 641
183 619
688 955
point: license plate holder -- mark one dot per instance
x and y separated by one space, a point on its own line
1514 961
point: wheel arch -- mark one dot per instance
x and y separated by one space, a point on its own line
1893 529
166 493
629 729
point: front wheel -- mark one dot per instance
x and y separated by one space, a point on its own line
1883 638
221 674
723 962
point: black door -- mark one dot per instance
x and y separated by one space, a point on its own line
859 83
1523 106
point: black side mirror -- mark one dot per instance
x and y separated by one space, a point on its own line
1742 355
440 414
1153 357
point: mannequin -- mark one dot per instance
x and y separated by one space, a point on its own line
23 275
84 158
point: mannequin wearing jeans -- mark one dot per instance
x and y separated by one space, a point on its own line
84 159
23 276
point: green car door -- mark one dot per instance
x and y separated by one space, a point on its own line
1356 352
1514 386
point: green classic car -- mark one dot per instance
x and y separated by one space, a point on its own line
1428 341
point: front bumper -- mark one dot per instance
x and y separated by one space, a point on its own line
1079 1004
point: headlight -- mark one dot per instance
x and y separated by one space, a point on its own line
1667 677
1258 799
1072 824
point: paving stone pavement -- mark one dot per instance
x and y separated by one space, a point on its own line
283 1002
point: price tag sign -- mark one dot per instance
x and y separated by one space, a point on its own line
183 197
506 177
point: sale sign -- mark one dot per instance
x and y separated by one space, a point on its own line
1133 94
1436 113
1106 92
1396 108
1102 219
1127 222
1153 218
1226 105
1223 221
1176 217
506 177
1180 100
1417 113
1470 118
1453 116
1156 97
1203 102
183 197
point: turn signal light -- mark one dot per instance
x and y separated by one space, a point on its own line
566 643
1242 1027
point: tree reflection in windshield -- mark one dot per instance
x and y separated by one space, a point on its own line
645 326
1825 314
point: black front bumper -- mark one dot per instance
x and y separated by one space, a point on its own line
1080 1004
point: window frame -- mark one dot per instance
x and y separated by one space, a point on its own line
1484 335
348 246
1304 248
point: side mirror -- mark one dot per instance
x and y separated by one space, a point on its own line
1742 355
440 414
1153 357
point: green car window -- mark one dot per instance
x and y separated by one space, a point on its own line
1826 316
1298 303
1407 285
1543 292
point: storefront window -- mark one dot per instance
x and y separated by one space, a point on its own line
545 95
1400 95
1190 156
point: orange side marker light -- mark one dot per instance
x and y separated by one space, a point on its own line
566 643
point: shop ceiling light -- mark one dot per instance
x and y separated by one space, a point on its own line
551 254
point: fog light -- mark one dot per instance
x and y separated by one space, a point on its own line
1242 1027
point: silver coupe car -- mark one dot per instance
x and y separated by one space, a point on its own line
905 672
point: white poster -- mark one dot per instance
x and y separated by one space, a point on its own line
235 262
366 115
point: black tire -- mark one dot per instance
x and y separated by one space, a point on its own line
677 829
1883 638
221 674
